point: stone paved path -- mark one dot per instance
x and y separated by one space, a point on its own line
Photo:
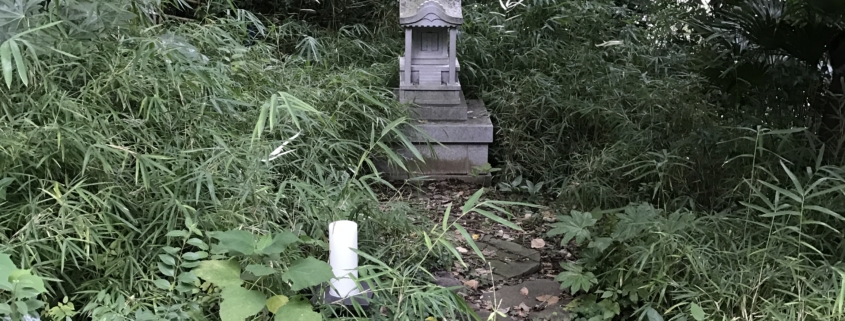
521 279
509 260
532 299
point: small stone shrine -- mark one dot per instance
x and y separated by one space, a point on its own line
429 83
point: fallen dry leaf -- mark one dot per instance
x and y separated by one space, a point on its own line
524 291
462 250
543 298
552 300
472 284
524 307
538 243
475 237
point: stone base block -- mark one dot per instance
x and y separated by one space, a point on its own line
476 129
440 112
445 159
430 97
450 149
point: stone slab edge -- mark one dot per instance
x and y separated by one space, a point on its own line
483 180
478 128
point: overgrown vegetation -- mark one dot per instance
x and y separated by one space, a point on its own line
150 154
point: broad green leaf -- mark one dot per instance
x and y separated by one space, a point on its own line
470 241
4 183
307 272
164 269
170 250
239 241
696 311
223 274
239 303
470 203
498 219
573 226
446 216
297 310
190 264
167 259
652 314
193 256
20 64
574 278
6 268
24 279
21 307
280 242
177 233
198 243
601 243
188 277
276 302
6 62
260 270
263 242
5 309
162 284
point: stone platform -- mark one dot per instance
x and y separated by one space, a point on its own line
451 149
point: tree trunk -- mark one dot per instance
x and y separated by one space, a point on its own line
831 124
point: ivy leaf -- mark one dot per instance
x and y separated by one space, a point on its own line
276 302
307 272
297 310
573 226
223 274
696 311
574 278
239 241
239 303
260 270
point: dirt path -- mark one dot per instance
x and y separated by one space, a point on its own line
520 266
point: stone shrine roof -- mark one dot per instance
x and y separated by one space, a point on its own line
430 13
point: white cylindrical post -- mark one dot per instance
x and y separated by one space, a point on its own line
343 237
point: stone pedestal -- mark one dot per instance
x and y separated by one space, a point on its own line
451 149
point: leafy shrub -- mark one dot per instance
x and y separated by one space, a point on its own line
19 290
115 131
769 262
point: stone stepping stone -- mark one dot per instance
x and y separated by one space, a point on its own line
509 260
512 297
